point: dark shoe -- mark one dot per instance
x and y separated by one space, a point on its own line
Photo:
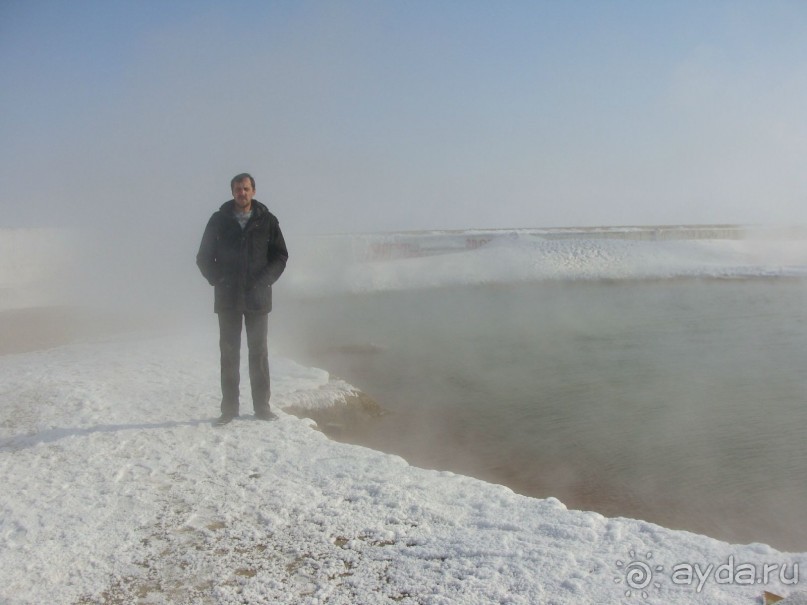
224 419
265 415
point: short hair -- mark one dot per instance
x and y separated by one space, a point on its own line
240 177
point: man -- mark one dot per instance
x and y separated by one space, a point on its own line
242 254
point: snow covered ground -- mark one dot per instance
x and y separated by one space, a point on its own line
116 489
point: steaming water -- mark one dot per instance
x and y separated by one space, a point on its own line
681 402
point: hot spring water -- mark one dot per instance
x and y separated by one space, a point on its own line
680 402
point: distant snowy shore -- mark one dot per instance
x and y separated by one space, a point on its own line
49 266
362 263
116 489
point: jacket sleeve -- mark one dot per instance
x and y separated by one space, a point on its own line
206 257
276 257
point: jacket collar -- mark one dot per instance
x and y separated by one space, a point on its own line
258 209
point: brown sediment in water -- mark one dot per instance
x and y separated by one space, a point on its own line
440 440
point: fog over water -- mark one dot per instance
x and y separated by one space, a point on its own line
678 402
659 379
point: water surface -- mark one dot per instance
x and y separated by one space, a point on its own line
681 402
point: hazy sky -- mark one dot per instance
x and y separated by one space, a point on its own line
388 115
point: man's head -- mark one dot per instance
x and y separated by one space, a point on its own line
243 188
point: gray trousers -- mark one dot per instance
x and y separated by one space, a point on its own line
257 327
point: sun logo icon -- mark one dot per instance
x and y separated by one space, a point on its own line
638 575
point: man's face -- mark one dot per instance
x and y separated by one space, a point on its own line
242 194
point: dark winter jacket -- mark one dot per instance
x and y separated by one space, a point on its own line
242 264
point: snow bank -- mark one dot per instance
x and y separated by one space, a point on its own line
419 260
116 489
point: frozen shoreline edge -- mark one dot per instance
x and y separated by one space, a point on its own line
329 510
565 529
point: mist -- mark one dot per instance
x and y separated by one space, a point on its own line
128 122
123 124
358 117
